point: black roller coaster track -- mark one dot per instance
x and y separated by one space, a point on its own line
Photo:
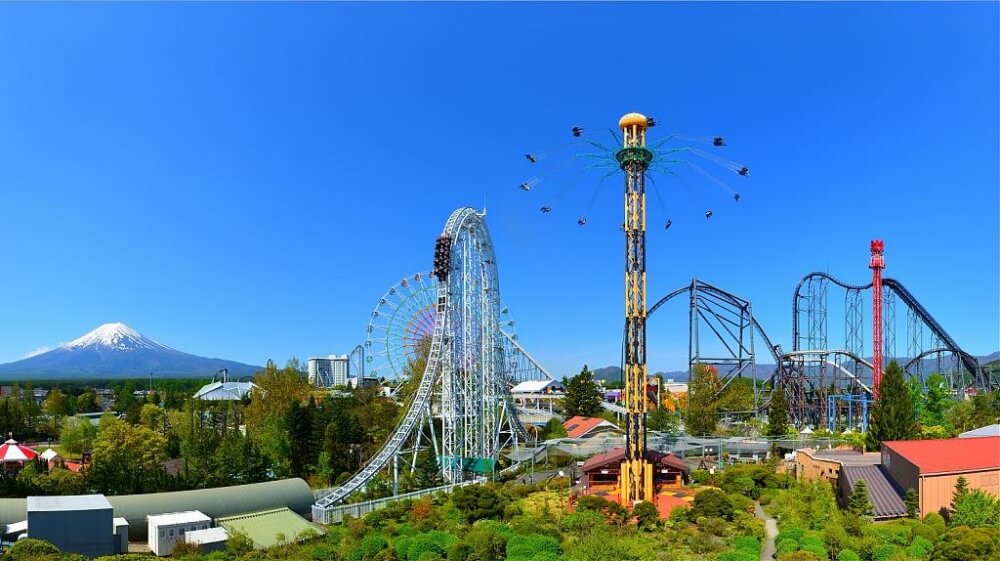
967 360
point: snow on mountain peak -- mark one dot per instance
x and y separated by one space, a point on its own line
115 336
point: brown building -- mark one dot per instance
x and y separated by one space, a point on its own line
827 464
602 473
932 467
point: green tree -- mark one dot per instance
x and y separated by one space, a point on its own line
77 435
912 502
967 544
87 402
583 396
703 407
477 502
892 416
127 459
961 490
663 421
777 413
427 473
936 400
30 548
859 503
554 428
56 404
976 509
647 515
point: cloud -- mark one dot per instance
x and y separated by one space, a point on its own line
38 351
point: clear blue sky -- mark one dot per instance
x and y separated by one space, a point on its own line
245 180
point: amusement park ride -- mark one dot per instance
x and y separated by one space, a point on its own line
453 349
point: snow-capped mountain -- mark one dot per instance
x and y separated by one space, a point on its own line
117 350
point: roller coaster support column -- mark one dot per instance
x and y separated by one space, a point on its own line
634 158
876 264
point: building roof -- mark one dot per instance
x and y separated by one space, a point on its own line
949 455
846 457
68 502
172 518
11 451
225 391
578 427
988 430
264 527
118 522
49 454
534 386
16 527
886 499
616 456
209 535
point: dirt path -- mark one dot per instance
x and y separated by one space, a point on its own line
767 548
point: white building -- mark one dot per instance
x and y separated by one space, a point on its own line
165 531
329 372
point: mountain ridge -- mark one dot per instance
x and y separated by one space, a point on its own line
115 350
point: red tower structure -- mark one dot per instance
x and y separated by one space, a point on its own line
876 264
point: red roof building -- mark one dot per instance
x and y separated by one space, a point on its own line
602 473
932 467
582 427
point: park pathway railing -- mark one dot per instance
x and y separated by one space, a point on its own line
334 514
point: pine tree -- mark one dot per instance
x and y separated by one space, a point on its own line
893 416
859 503
427 473
961 490
583 397
777 413
912 503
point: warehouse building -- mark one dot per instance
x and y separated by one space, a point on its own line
933 467
83 524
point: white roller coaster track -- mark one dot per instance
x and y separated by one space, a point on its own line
420 407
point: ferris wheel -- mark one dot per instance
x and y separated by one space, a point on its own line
403 320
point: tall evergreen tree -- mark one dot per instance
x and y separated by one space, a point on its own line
777 413
703 401
583 396
893 416
961 490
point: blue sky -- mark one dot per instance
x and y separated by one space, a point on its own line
245 180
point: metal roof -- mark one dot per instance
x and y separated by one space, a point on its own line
172 518
225 391
988 430
533 386
886 498
209 535
264 527
67 502
950 455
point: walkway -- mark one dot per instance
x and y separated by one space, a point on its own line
767 549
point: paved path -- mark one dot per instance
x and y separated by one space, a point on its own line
767 549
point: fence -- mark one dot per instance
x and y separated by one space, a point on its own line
336 513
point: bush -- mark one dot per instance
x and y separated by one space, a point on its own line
477 502
740 503
936 521
738 555
747 543
919 548
803 556
581 522
647 514
848 555
701 477
29 547
526 548
712 502
967 544
786 546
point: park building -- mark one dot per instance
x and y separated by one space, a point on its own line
165 531
83 524
329 372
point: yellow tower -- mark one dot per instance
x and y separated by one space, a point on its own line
634 158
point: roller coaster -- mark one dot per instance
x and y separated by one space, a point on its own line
452 322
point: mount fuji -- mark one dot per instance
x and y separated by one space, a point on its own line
115 350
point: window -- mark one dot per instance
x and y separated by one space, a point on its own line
162 532
171 533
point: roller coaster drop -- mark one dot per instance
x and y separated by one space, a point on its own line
461 407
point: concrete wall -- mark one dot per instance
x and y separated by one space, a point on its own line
87 532
813 468
936 491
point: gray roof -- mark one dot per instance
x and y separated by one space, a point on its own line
849 457
886 498
68 502
988 430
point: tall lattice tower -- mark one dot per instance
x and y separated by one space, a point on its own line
635 158
876 264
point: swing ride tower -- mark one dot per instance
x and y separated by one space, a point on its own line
634 159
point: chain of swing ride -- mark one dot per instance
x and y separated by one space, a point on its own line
668 159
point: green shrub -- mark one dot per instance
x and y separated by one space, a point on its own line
746 543
738 555
936 521
123 557
790 533
848 555
919 548
701 477
526 548
802 556
581 522
787 545
740 503
30 547
711 502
